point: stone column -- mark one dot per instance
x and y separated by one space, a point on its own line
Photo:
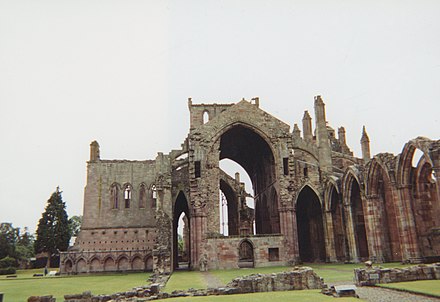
288 229
330 248
350 231
198 230
410 244
373 228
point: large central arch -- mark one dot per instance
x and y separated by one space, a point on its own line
244 146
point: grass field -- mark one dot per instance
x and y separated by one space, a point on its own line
20 288
24 286
431 287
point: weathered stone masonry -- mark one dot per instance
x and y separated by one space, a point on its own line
314 201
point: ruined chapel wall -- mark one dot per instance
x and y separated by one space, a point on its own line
223 252
99 208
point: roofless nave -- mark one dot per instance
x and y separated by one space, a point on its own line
314 201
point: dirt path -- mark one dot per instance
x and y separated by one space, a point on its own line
211 280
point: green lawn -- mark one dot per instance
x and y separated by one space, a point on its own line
226 276
20 288
297 295
181 280
25 285
431 287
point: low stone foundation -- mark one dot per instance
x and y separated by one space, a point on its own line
297 279
376 275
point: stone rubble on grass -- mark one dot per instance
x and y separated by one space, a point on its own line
297 279
374 275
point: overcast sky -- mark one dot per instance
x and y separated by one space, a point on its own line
120 72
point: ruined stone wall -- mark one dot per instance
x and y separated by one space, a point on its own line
377 275
100 209
223 252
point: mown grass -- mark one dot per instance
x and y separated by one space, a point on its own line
24 286
431 287
181 280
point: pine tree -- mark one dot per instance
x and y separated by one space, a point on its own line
53 231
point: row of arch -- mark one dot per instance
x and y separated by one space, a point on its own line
109 264
122 196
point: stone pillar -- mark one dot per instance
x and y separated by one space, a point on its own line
324 148
341 136
373 228
198 233
365 145
307 127
330 248
350 231
410 244
94 151
296 133
288 229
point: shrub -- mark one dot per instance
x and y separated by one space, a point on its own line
8 271
8 262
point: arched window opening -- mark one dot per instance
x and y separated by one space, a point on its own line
114 196
205 117
417 156
127 196
183 240
142 196
153 196
236 205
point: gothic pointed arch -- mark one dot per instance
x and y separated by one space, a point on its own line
382 200
181 207
357 231
115 197
310 226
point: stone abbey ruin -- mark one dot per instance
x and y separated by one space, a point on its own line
314 201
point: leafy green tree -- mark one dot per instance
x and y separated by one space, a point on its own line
75 225
8 238
24 248
53 232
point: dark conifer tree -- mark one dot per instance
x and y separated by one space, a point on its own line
53 231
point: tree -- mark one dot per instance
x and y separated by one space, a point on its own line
53 232
8 239
75 225
24 248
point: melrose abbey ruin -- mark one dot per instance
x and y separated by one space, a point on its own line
313 201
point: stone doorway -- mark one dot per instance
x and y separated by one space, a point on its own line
310 226
246 254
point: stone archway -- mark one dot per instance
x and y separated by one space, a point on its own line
81 266
338 223
310 226
250 150
109 265
181 208
357 209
